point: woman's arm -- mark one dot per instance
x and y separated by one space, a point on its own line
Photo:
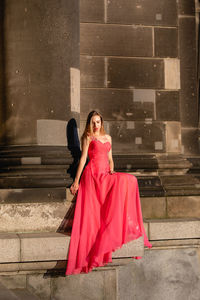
110 158
74 187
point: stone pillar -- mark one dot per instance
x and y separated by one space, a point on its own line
41 45
189 106
41 89
2 105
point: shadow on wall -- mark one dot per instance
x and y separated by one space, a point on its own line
74 147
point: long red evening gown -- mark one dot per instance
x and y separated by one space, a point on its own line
107 214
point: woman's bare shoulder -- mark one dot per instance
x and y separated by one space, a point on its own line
86 139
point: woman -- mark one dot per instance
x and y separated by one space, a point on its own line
108 212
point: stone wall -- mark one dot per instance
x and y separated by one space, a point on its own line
41 70
132 53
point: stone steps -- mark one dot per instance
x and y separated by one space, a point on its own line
47 209
47 250
174 229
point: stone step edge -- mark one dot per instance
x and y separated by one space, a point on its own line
173 229
50 246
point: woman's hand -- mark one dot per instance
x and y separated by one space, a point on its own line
112 172
74 188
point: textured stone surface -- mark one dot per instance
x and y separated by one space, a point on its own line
174 229
90 12
167 106
164 48
154 207
183 207
98 39
162 274
10 248
95 285
40 195
14 282
34 247
39 286
135 73
172 73
190 143
6 294
132 109
147 12
42 44
23 294
188 69
32 216
141 136
92 71
186 7
51 132
173 137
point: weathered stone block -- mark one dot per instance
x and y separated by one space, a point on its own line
150 186
39 286
14 282
172 73
10 247
181 184
190 141
183 207
167 106
34 195
90 12
92 71
103 100
188 68
143 136
51 132
174 229
186 7
135 73
166 42
32 216
118 104
154 207
144 104
147 12
161 274
6 294
96 285
173 137
101 39
35 247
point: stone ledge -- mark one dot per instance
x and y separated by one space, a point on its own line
50 246
171 229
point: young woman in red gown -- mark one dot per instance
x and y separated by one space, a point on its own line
108 211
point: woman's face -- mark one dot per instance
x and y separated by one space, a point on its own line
96 124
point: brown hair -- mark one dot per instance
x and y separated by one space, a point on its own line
88 127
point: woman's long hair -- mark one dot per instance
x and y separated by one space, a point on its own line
88 127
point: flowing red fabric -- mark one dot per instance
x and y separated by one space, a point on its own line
107 214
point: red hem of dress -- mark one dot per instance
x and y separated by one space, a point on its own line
101 264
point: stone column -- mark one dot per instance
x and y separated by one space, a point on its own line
40 91
188 69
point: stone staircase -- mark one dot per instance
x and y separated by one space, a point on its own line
36 211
